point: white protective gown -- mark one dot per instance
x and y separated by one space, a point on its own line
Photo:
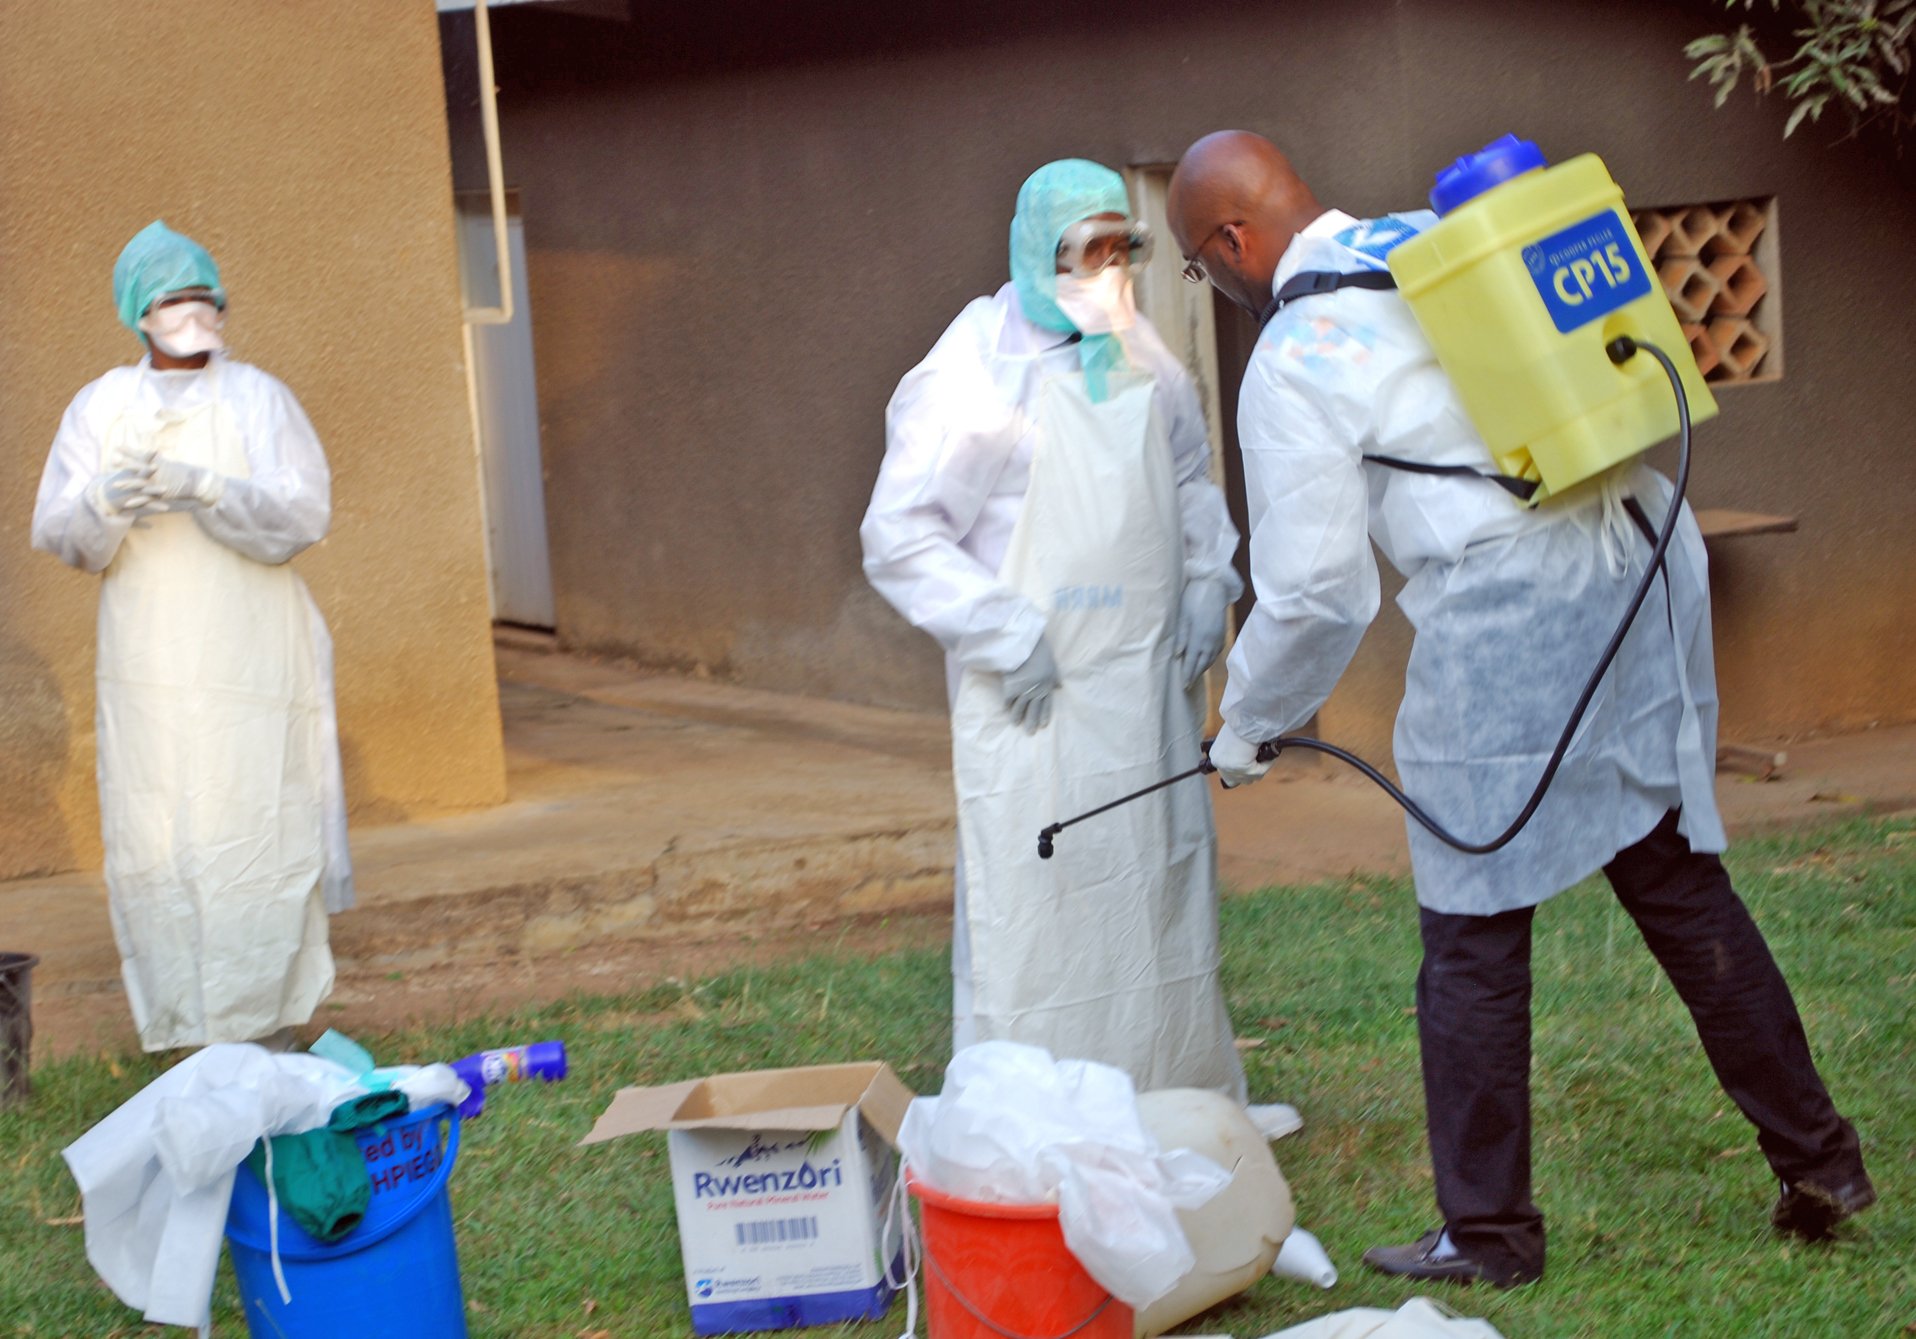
220 798
1511 607
1010 506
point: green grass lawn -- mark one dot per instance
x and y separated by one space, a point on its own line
1656 1195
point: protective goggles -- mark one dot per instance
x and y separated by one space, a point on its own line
1091 245
212 296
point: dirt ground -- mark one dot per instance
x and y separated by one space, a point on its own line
373 1001
664 829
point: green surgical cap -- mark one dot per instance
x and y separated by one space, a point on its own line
156 262
1053 198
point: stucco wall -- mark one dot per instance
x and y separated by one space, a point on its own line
306 147
743 230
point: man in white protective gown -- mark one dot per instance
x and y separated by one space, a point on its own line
1351 434
188 480
1044 510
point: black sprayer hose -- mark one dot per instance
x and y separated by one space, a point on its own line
1620 351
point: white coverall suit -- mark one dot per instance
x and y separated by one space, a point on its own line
1109 951
1512 608
221 805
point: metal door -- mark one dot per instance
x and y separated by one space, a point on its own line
506 402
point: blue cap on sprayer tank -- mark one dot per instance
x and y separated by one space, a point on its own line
1475 173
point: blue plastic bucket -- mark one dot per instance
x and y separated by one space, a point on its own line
394 1275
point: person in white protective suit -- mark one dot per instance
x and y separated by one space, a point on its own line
1511 608
1044 510
188 481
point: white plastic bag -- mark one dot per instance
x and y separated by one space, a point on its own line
1014 1126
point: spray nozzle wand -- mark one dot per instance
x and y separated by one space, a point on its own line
1266 752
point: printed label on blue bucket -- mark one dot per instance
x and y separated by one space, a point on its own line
397 1156
1586 271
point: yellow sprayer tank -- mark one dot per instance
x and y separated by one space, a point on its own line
1528 274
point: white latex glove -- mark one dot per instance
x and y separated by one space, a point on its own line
1028 689
1236 761
174 480
123 493
1200 627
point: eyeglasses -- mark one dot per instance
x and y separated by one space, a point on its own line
1194 268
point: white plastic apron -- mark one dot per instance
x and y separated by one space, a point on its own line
212 769
1108 951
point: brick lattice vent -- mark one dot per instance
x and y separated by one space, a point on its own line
1717 265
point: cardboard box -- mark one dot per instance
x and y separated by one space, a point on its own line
782 1178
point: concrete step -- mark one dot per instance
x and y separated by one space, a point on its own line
644 807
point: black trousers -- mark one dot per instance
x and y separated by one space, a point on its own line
1473 1023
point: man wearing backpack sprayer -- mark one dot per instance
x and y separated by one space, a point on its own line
1511 607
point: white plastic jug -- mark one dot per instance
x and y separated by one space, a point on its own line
1237 1234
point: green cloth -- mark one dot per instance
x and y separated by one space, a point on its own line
320 1176
1053 198
350 1116
156 262
320 1180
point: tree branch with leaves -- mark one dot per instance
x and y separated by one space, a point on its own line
1851 56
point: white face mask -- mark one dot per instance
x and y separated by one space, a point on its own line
1100 305
185 329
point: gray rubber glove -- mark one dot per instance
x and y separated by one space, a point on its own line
1028 689
1200 627
123 493
176 481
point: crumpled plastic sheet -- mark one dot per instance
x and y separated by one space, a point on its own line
1015 1126
1419 1318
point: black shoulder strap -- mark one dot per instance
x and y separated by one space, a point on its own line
1309 283
1521 489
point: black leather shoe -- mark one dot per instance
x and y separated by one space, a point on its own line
1433 1257
1810 1211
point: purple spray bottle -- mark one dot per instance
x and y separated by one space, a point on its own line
544 1060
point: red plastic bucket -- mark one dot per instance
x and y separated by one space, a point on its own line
1002 1271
